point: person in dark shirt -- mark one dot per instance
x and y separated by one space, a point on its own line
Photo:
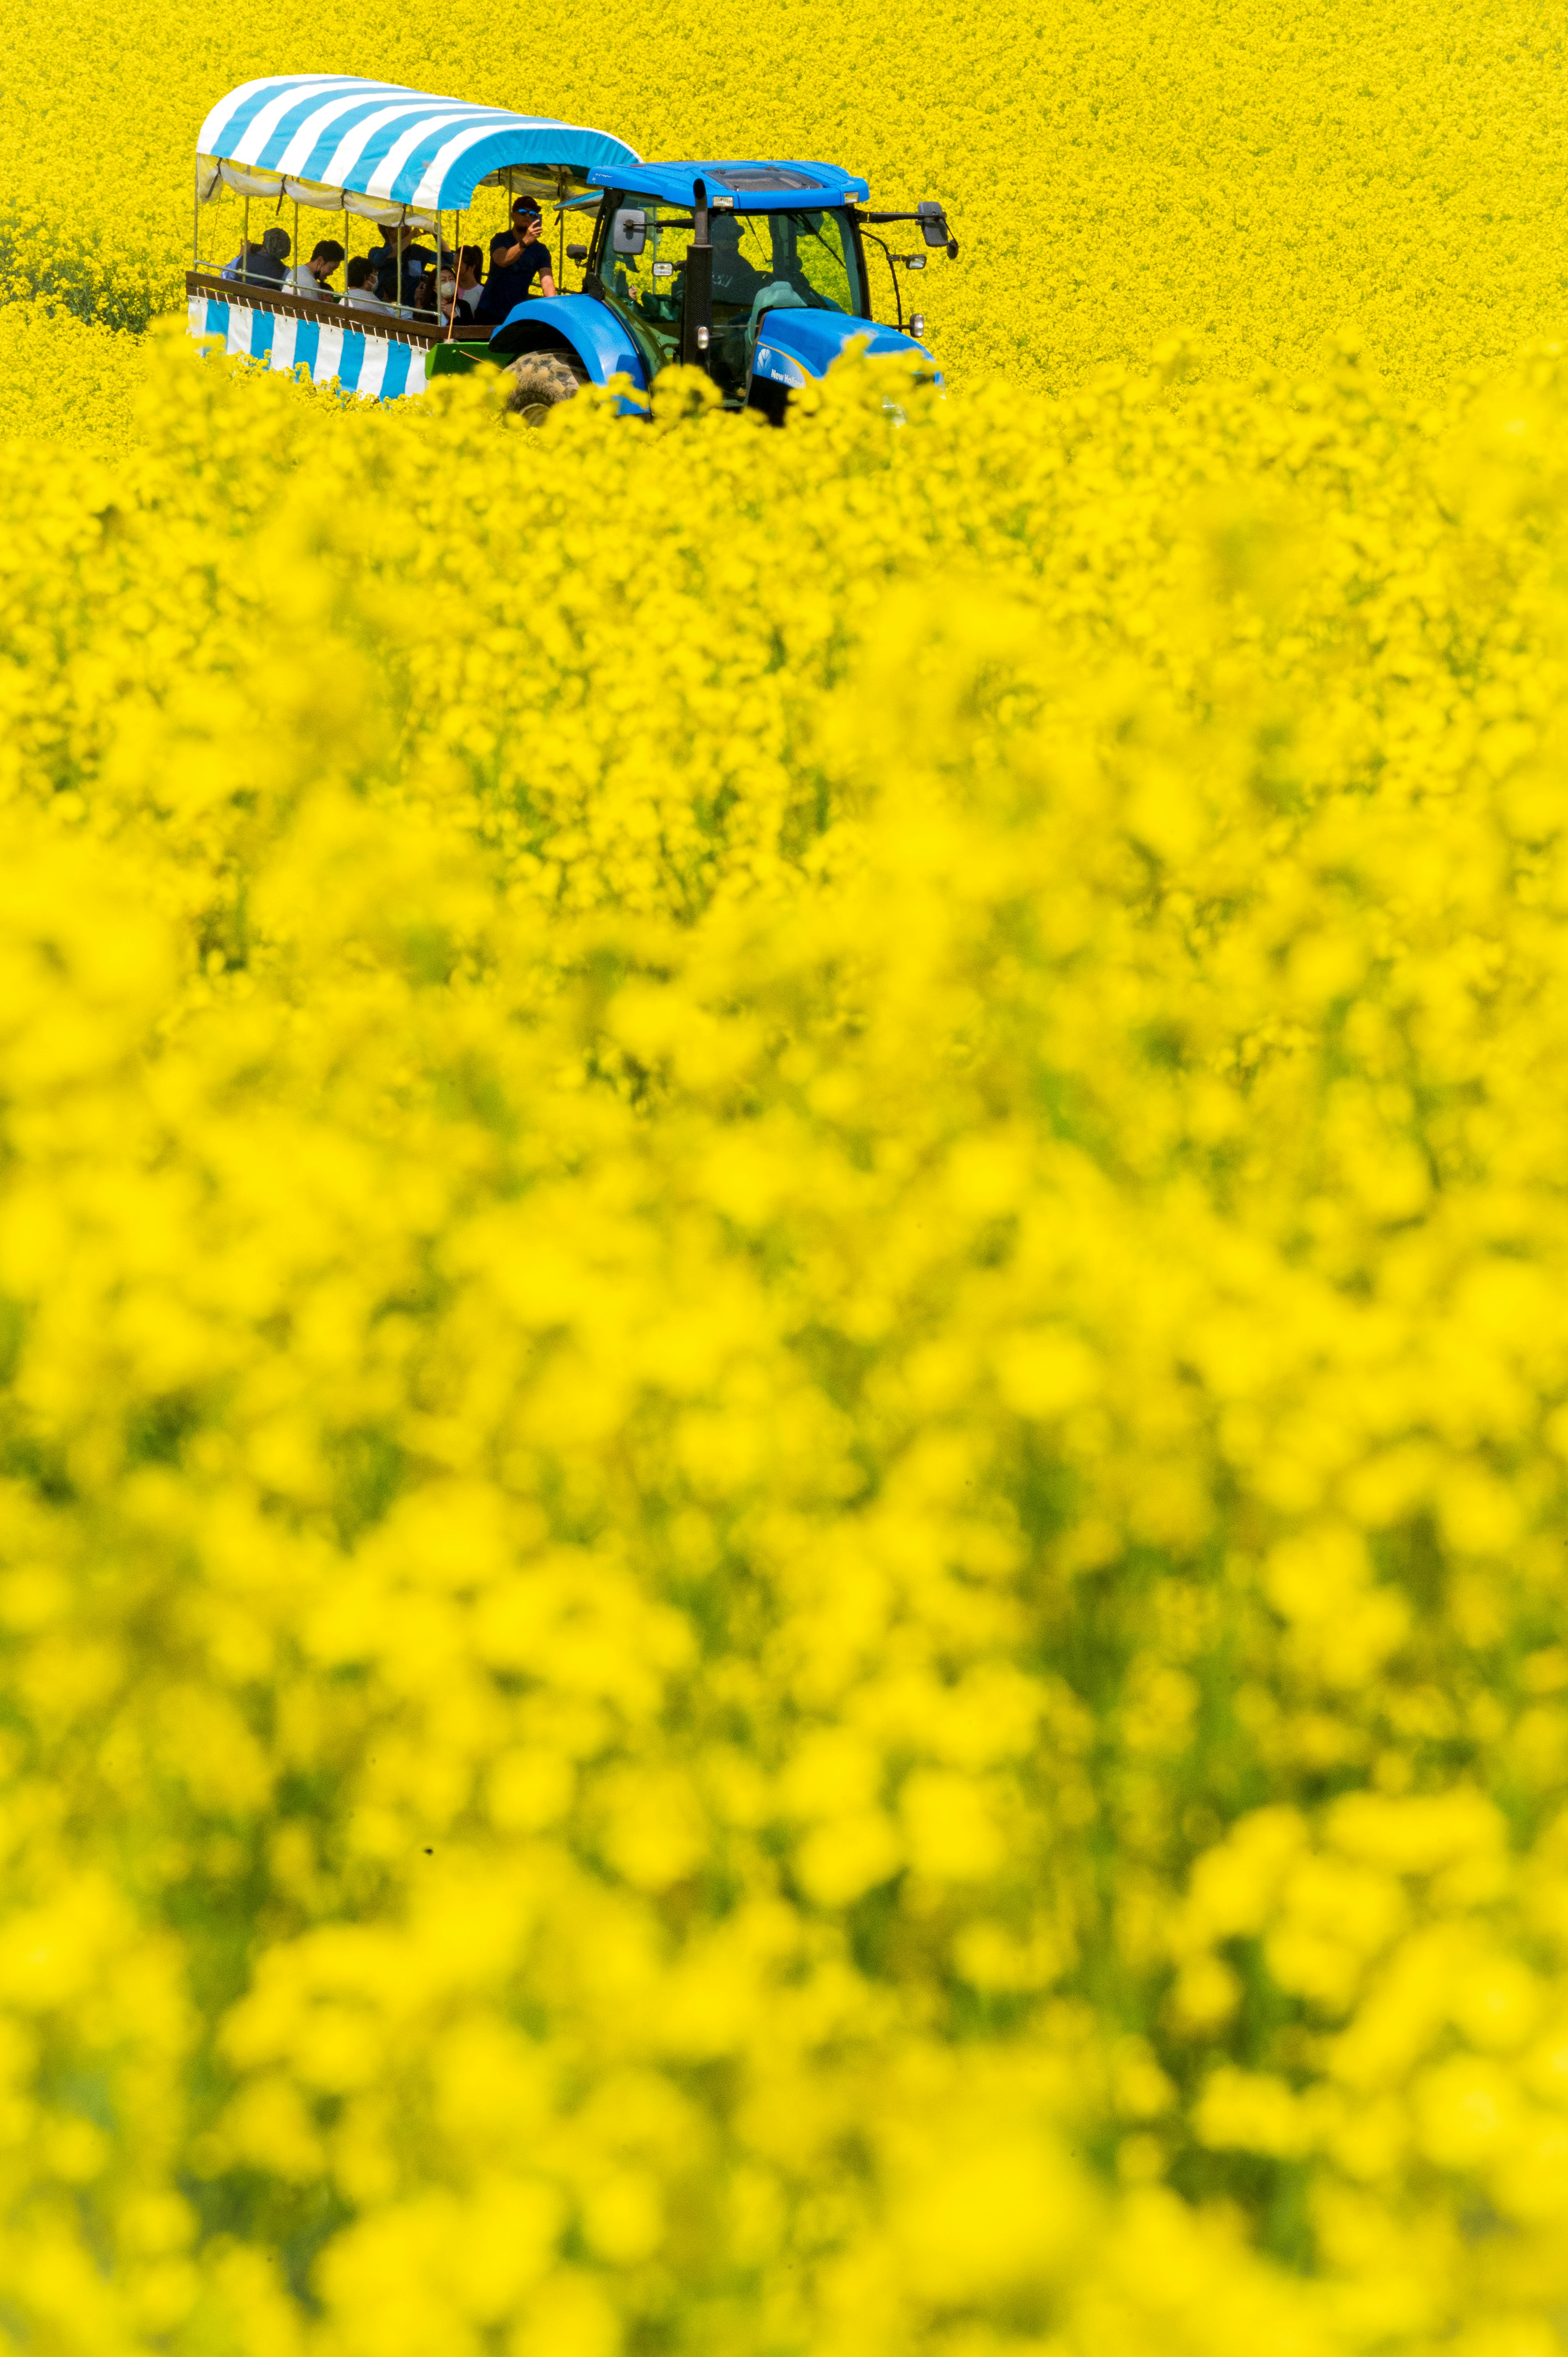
398 265
518 257
267 263
382 260
737 279
523 211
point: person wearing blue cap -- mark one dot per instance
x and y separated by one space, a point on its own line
518 257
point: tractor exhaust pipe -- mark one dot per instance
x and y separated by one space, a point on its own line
697 313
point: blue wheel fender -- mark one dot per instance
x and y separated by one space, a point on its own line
592 330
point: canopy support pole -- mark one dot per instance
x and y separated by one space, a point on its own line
456 269
245 244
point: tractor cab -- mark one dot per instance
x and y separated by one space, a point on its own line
754 272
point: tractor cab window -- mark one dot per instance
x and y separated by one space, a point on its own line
762 262
650 284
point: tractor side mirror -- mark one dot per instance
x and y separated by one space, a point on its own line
576 253
914 261
629 231
933 222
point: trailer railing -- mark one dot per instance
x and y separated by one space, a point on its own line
398 326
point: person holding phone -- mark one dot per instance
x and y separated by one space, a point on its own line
517 257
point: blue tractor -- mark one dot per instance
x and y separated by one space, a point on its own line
757 274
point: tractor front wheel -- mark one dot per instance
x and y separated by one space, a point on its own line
540 382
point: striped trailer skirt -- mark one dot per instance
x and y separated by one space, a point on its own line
360 362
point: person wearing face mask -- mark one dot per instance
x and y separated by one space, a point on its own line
471 282
360 290
450 308
311 277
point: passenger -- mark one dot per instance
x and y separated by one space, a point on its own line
416 261
358 282
470 281
398 265
444 292
523 211
424 296
311 277
386 263
239 267
267 265
517 257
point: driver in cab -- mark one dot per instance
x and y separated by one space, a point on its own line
518 257
737 279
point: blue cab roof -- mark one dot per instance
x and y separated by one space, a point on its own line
766 186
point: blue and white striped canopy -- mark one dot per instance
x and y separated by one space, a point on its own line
381 140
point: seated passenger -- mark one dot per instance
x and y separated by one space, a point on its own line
448 310
248 263
517 258
267 265
386 264
358 280
424 296
470 281
311 277
416 261
398 266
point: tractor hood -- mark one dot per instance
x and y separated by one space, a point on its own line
813 340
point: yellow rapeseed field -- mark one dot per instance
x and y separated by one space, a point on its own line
783 1233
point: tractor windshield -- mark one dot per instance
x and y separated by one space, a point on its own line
773 257
762 262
